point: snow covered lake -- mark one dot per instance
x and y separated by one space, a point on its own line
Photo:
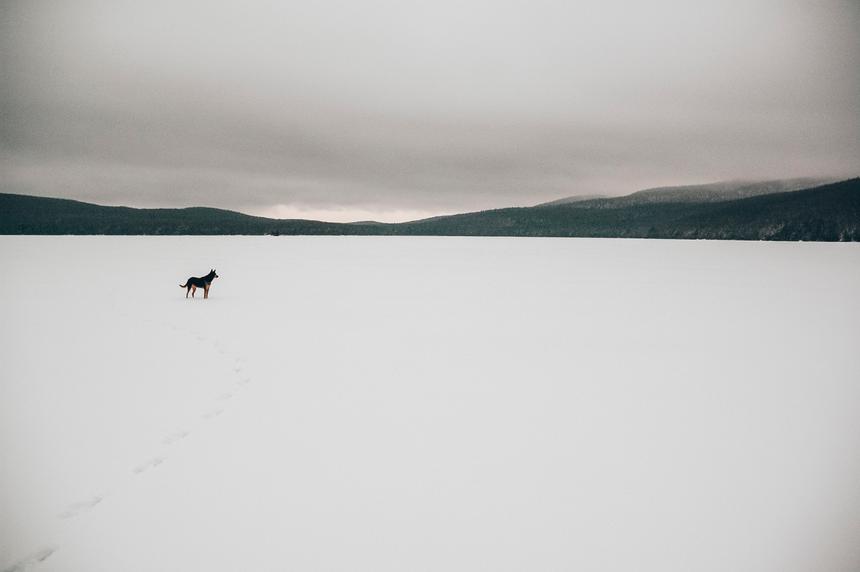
456 404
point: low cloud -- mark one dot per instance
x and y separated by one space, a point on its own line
388 112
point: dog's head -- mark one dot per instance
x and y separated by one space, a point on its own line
213 274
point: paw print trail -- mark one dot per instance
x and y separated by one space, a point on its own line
235 382
77 508
32 560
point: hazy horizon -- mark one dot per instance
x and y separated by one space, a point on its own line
348 215
394 111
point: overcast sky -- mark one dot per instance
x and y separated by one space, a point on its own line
397 109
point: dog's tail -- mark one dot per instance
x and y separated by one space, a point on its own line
184 285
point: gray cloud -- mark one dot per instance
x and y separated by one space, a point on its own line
431 107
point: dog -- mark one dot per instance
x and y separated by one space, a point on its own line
193 283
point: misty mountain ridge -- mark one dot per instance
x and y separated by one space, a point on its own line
708 192
765 211
572 199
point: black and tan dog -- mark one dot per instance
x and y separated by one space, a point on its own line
193 283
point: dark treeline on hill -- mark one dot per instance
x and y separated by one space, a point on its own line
22 214
824 213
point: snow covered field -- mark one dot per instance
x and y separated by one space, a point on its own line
391 404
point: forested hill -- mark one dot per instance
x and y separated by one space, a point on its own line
708 193
824 213
23 214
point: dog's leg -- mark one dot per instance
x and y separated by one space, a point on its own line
206 293
187 290
193 291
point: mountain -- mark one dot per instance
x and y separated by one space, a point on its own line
573 199
708 193
23 214
823 213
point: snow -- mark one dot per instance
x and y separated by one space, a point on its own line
372 403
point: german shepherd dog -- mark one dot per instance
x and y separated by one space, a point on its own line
193 283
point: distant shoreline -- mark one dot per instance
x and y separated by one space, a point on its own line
759 211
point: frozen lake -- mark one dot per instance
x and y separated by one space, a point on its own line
390 404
